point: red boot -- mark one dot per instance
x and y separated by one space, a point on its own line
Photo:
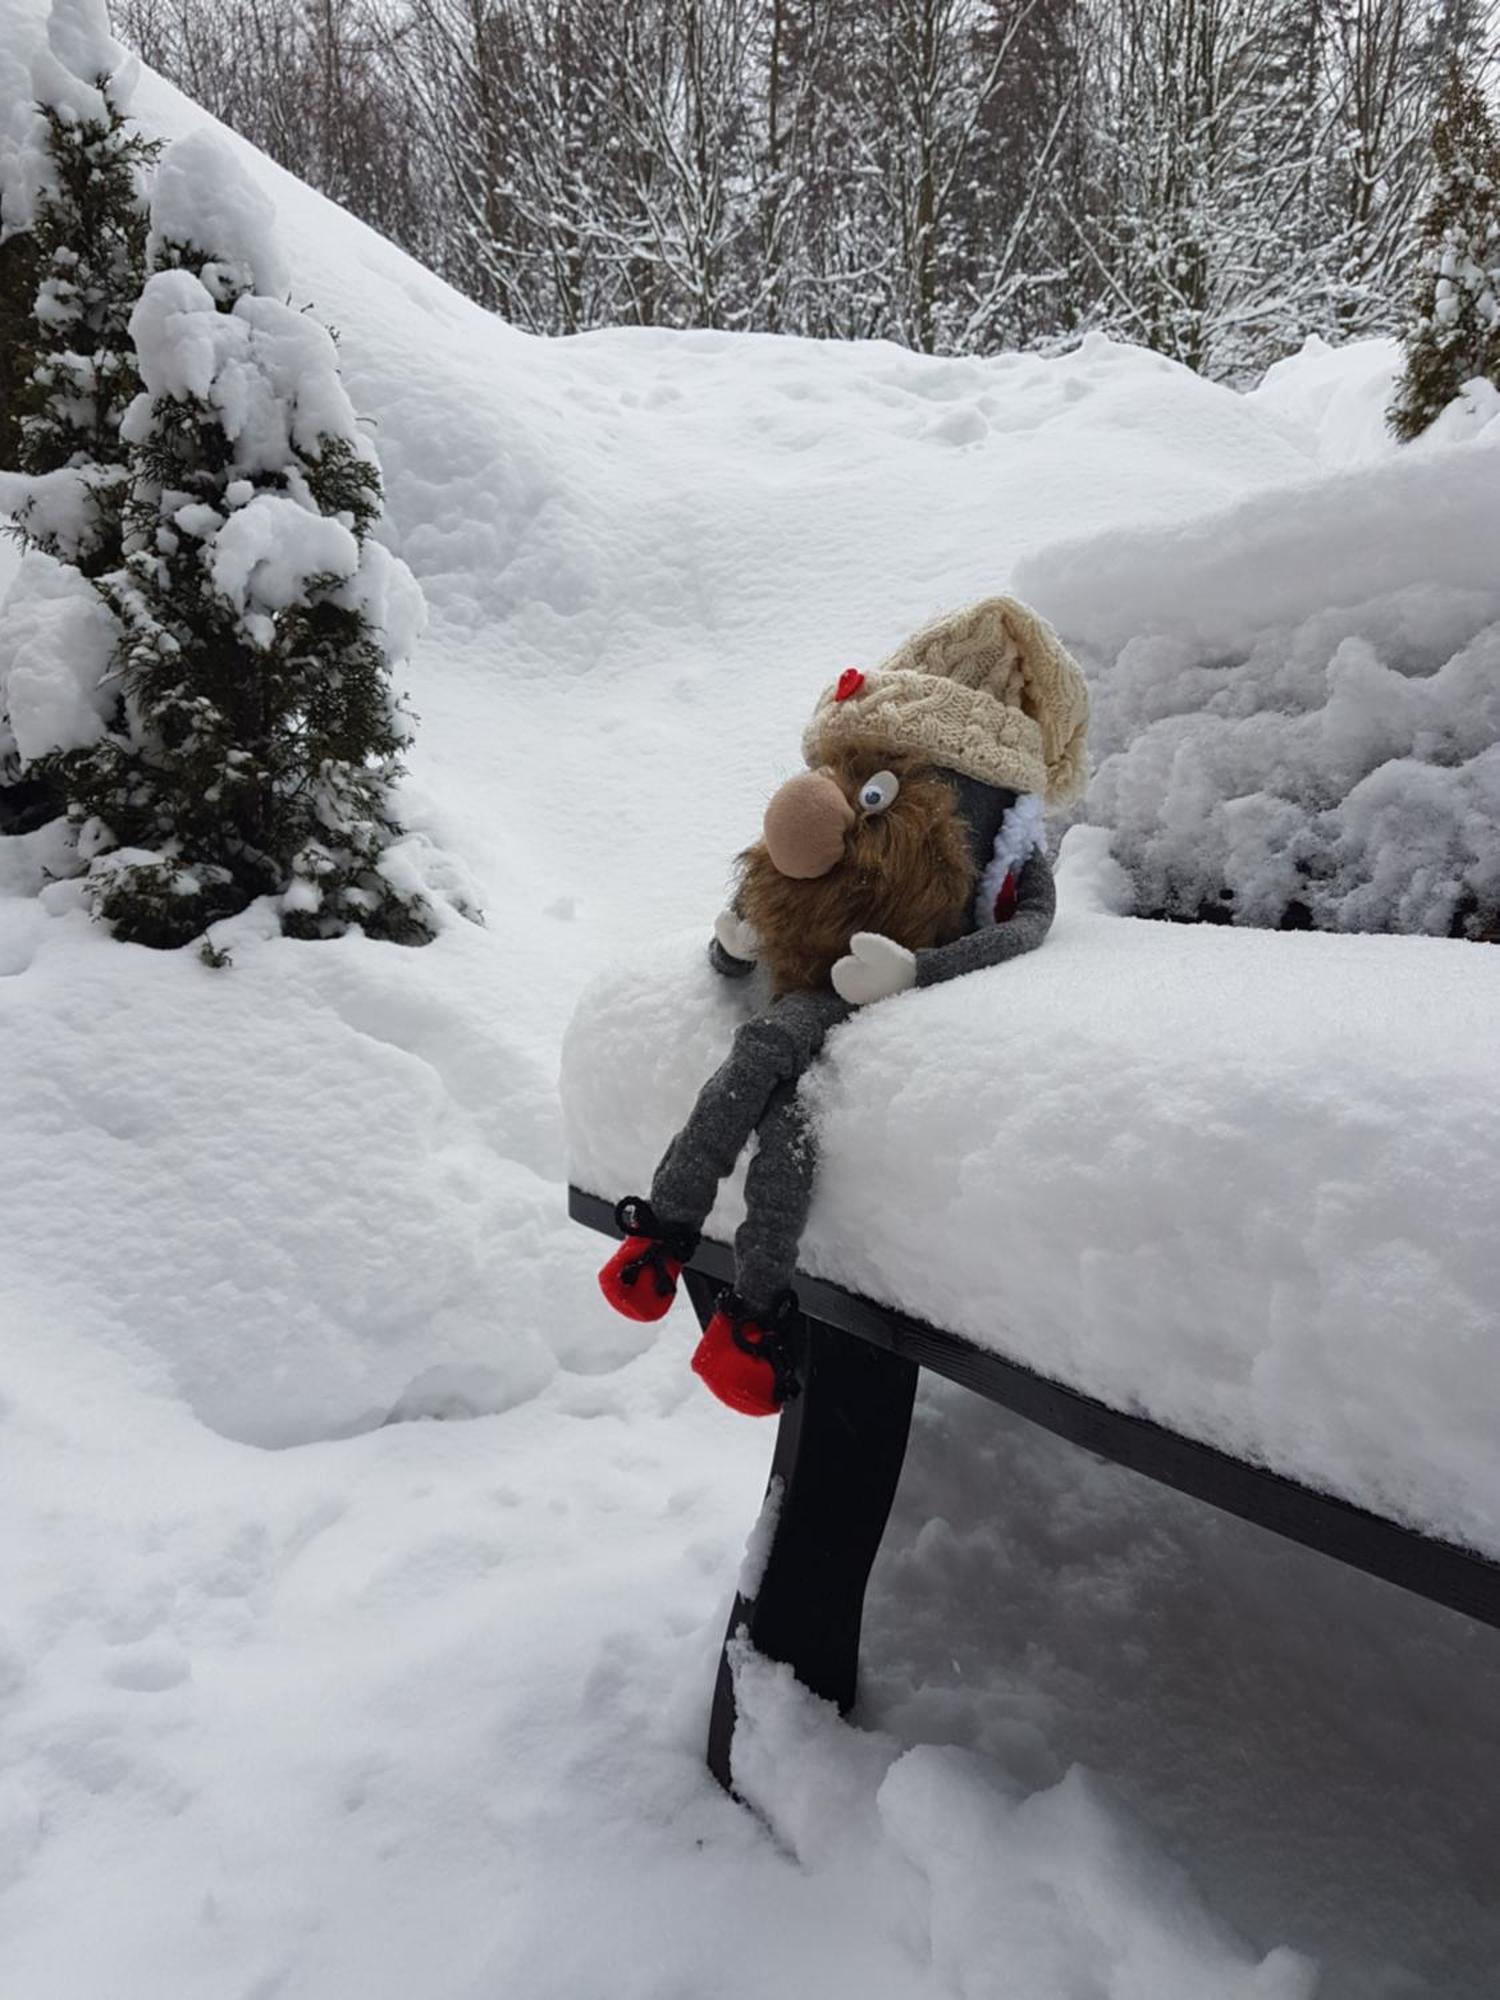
747 1361
640 1280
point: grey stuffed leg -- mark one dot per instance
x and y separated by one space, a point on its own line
778 1192
752 1351
772 1050
661 1232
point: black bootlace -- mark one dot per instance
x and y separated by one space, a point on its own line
634 1216
773 1337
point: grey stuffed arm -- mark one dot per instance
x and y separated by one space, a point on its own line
1036 905
734 947
726 964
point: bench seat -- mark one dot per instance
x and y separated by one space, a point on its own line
1241 1186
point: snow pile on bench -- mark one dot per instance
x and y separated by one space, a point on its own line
1297 700
1243 1183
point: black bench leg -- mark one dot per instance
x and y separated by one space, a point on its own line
839 1450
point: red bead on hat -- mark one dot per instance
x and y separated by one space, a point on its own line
851 680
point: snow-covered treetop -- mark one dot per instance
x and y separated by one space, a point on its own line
271 376
83 71
20 148
206 212
269 372
80 73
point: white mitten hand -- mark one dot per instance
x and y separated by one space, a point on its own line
736 936
876 968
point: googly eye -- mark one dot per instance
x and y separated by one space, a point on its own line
876 793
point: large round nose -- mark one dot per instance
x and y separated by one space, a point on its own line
805 826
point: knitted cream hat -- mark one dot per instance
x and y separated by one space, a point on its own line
989 691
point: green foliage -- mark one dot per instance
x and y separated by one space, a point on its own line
18 283
1453 333
88 242
67 367
256 737
17 291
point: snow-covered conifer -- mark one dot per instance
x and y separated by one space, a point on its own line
87 230
1453 334
260 736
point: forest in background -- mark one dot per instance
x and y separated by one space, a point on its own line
1212 178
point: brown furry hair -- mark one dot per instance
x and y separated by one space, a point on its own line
906 873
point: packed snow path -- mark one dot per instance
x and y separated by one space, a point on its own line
418 1706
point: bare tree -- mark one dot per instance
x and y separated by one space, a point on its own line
314 84
1382 92
1214 178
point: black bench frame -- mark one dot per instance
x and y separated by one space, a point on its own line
840 1447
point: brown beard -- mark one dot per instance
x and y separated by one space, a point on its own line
906 873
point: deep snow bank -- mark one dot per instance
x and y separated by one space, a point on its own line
1240 1183
1418 519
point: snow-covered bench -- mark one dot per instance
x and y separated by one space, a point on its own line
1218 1204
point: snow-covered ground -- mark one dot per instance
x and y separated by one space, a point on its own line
302 1696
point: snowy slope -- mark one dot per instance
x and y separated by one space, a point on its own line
417 1707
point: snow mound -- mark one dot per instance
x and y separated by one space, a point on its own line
1239 1183
1297 701
1010 1894
1339 394
56 639
279 1193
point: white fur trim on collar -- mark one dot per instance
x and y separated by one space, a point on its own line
1019 838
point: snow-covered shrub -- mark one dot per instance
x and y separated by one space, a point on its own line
73 223
259 736
85 244
1296 712
1342 773
1453 335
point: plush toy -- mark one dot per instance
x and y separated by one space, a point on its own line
910 851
